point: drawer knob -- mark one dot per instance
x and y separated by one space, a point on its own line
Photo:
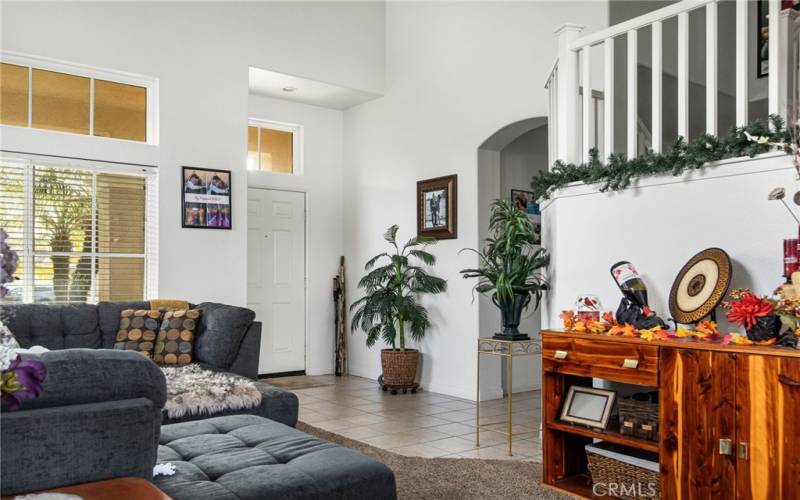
630 363
560 355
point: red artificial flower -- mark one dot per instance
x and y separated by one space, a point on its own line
748 309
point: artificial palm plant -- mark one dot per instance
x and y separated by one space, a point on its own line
510 265
390 306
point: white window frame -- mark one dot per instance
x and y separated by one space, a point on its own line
297 142
150 255
93 73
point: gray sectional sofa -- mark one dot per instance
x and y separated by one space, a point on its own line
228 339
100 417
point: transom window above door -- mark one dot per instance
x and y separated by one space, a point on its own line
274 147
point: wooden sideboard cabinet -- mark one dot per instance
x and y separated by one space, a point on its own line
729 416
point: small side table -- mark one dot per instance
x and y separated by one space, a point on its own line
508 349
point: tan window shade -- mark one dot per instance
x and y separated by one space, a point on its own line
12 220
120 278
120 213
60 101
13 95
276 151
252 148
120 111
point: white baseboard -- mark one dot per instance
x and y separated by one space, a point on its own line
527 388
319 370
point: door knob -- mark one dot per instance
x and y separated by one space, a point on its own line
725 447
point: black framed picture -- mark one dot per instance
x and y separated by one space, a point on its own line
525 201
437 207
762 33
588 406
206 198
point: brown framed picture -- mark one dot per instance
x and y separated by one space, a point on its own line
205 198
437 207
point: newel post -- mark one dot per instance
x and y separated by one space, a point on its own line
567 122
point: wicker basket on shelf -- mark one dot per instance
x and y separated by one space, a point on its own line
624 473
638 415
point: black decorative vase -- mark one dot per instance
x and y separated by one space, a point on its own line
511 312
766 327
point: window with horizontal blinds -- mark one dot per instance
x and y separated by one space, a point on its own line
83 233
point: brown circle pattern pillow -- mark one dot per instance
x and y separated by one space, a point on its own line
175 340
138 330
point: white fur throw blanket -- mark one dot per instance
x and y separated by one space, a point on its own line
194 390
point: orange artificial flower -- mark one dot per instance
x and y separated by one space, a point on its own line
568 318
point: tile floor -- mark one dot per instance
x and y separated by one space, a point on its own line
424 424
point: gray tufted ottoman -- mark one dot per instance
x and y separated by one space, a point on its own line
245 457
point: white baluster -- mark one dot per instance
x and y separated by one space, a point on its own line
608 97
633 111
742 65
657 72
773 85
683 75
568 133
587 133
711 68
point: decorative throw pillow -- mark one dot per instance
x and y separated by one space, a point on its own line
137 331
175 341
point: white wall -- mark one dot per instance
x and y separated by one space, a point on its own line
322 183
200 51
519 162
661 224
456 73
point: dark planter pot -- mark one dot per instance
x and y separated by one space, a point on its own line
511 312
766 327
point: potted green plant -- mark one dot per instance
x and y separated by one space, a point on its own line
510 266
390 306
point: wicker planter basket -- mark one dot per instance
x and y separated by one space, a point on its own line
638 415
620 472
399 367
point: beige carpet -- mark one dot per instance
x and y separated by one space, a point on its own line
451 478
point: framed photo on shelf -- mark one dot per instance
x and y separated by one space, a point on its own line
588 406
437 207
206 198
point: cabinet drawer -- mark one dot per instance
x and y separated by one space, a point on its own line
621 362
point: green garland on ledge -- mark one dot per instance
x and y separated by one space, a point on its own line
618 173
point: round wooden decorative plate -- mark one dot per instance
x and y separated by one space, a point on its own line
700 286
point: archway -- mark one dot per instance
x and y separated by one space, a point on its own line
507 160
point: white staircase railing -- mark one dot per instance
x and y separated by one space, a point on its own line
573 68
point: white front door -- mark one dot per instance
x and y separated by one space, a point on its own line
276 254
